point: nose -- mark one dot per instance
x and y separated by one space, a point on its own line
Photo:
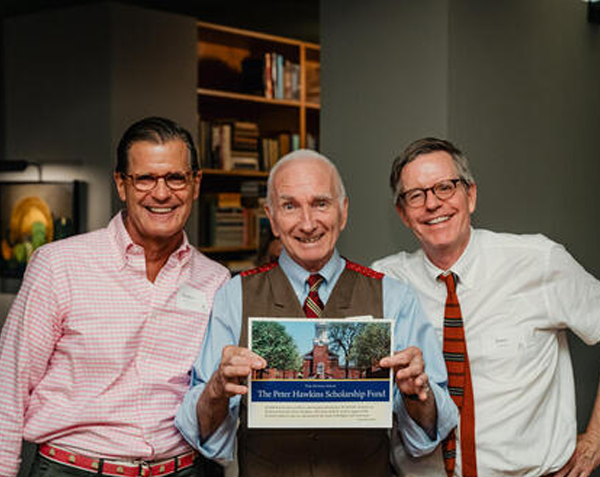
161 190
307 221
431 200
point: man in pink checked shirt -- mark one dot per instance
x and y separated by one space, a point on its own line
96 349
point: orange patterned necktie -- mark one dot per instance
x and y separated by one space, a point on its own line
313 306
459 384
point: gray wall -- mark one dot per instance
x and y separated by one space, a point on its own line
76 77
515 83
377 93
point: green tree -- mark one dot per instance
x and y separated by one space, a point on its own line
273 343
341 339
372 344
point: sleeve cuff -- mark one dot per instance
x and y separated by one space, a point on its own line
220 445
415 439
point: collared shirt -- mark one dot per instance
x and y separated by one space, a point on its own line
93 356
518 294
411 328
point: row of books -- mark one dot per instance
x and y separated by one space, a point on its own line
229 145
272 76
226 220
237 145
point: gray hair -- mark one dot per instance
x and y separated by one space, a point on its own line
306 154
425 146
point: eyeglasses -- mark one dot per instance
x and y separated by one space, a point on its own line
443 190
147 182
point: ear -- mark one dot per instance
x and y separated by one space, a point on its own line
402 215
273 222
472 197
120 184
196 180
344 213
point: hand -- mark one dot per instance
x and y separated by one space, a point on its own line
236 364
409 372
585 458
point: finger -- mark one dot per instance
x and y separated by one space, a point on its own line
415 371
245 360
424 392
569 469
234 373
563 472
232 389
400 358
238 354
419 386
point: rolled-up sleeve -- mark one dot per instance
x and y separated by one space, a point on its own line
223 330
412 328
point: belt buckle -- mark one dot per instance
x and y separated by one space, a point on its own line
144 469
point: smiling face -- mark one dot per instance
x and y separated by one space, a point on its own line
305 211
157 217
442 226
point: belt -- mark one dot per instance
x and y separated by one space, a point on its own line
117 468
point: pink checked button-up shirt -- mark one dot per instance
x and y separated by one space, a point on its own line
93 356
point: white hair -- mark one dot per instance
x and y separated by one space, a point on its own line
306 154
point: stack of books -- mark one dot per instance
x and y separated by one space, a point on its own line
244 146
229 145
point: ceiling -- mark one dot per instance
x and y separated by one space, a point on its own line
292 18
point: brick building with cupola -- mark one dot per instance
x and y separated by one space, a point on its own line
321 362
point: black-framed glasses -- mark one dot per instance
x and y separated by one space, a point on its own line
443 190
147 182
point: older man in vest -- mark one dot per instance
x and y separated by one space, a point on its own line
308 208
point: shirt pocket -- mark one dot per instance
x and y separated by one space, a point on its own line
499 354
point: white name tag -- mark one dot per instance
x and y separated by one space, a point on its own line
192 299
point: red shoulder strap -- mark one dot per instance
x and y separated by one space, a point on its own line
366 271
261 269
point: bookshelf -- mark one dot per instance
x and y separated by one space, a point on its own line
258 97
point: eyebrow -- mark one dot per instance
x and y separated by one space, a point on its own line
316 197
323 197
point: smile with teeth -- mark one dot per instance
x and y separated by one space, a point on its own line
438 220
310 239
160 210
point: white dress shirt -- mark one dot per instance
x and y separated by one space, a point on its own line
518 294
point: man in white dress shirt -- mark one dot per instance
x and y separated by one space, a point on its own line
518 294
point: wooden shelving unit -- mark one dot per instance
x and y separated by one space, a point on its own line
232 88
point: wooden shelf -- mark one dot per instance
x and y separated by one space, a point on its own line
213 27
249 97
236 173
227 250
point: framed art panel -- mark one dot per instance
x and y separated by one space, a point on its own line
31 215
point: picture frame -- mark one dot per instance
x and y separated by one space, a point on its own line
31 215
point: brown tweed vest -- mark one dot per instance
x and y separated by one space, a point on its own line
311 452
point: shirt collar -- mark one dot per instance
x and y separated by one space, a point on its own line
463 268
126 248
298 275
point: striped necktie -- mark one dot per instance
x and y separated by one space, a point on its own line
313 306
459 384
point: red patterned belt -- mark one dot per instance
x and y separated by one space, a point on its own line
117 468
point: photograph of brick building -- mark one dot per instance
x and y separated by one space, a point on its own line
321 362
336 350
